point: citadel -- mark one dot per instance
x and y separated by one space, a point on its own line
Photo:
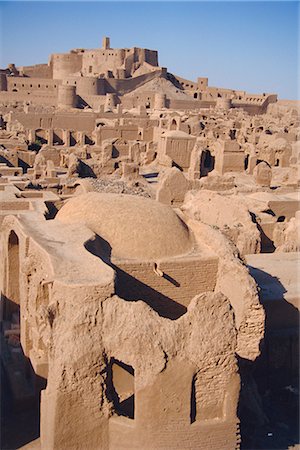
149 236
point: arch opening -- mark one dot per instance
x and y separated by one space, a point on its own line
120 388
207 163
12 300
173 125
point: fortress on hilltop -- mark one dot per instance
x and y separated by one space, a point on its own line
105 77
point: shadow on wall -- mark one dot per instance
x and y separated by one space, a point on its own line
20 390
52 210
268 404
120 387
207 163
269 398
25 166
4 160
267 245
131 289
86 171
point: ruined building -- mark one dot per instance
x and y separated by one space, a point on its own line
105 77
149 233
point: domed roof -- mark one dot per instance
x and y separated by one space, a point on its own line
135 227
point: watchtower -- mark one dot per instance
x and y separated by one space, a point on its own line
106 43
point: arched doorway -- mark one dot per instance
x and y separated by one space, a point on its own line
173 125
12 295
207 163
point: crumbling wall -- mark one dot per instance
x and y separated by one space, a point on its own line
86 331
227 213
234 281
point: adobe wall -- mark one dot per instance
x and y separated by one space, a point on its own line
189 104
79 122
277 276
149 56
166 405
94 101
24 84
10 158
169 294
287 208
119 132
233 280
229 162
229 157
15 205
67 97
216 92
86 85
3 82
65 64
37 90
127 85
212 435
207 93
101 60
194 369
36 296
186 84
175 389
85 122
254 104
37 71
140 99
26 156
139 55
179 150
43 98
64 120
35 280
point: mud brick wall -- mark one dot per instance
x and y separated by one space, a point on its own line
171 293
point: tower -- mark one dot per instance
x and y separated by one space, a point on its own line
106 43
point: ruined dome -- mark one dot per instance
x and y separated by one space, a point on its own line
134 227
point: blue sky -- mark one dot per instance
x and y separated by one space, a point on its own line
243 45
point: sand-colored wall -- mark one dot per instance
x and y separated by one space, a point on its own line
179 150
42 98
169 294
73 328
63 120
101 60
233 280
24 84
125 86
37 71
65 64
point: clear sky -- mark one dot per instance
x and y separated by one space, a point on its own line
242 45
